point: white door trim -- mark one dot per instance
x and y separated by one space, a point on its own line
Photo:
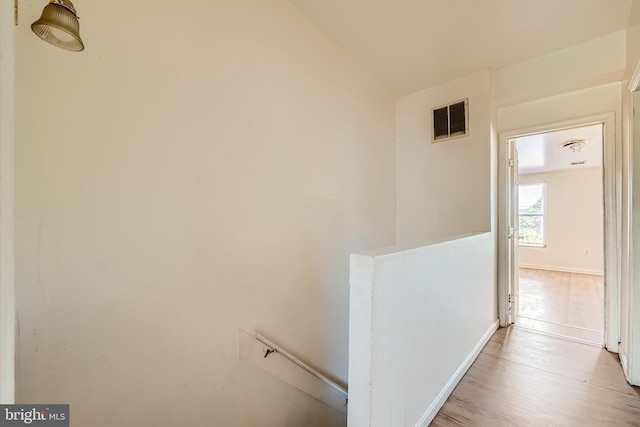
7 290
631 360
612 212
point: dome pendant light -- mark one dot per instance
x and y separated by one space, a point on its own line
59 26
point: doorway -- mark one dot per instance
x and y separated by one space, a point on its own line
560 233
508 218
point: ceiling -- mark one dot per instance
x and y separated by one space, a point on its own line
410 45
544 152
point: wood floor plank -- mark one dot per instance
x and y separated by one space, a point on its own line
564 298
522 378
578 361
525 378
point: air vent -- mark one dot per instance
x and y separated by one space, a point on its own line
451 121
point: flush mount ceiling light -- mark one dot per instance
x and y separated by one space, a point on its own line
59 26
575 145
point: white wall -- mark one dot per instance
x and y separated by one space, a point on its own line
573 222
633 40
630 346
631 305
444 188
425 296
418 319
567 106
627 237
588 64
7 125
201 167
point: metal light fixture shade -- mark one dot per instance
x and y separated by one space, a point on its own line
59 26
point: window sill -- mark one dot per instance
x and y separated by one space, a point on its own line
532 245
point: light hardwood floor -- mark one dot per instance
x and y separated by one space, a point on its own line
566 304
524 378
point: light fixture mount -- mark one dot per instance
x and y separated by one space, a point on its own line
575 145
66 4
59 25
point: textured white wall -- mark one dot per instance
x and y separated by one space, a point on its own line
201 167
574 222
444 188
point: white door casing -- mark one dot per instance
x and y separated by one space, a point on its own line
632 359
513 232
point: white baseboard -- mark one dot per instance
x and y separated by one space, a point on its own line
623 361
625 368
563 269
439 402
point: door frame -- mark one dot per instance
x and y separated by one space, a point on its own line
630 353
612 174
513 232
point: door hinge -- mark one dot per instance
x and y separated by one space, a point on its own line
509 298
510 162
509 232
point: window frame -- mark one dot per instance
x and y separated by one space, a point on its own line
542 215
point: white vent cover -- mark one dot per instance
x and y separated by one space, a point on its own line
450 121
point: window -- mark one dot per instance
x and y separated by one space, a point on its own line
531 209
450 121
